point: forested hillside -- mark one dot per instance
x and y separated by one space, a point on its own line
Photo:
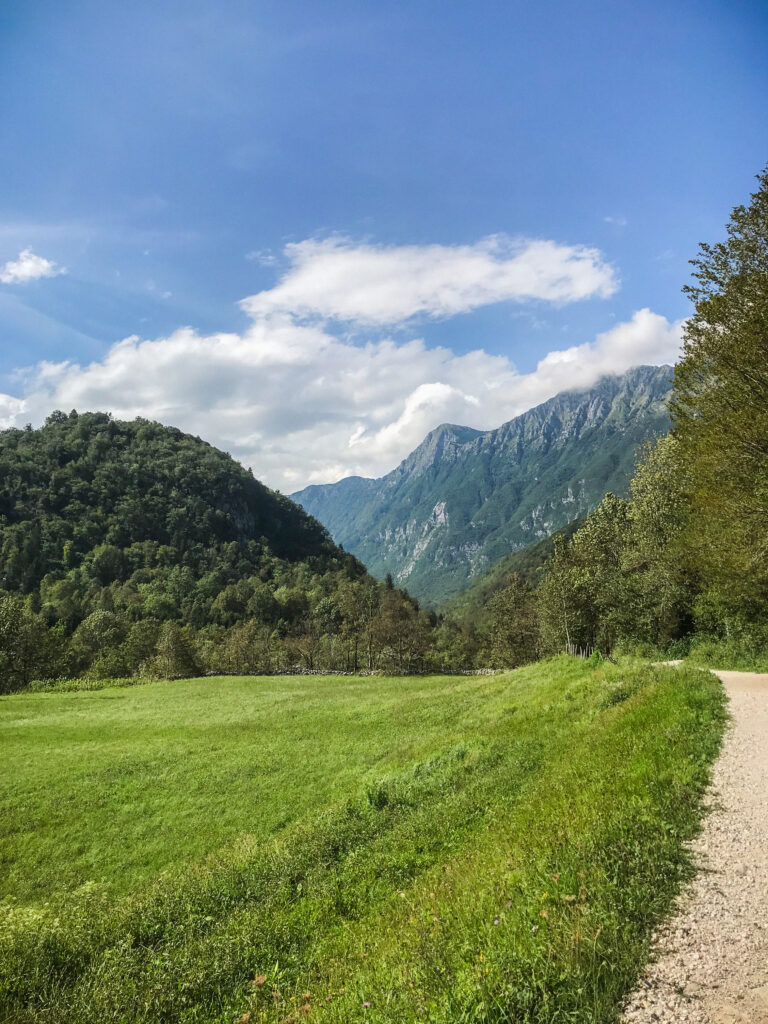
128 547
464 499
530 564
114 499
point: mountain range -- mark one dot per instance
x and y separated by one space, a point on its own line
465 498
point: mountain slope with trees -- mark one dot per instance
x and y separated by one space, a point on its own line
464 498
132 547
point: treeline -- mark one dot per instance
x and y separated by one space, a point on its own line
682 563
338 624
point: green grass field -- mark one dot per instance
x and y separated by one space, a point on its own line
385 850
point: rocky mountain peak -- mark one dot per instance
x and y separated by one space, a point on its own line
464 498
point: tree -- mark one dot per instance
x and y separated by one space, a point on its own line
602 591
25 644
175 657
512 627
561 602
662 572
720 415
101 632
140 644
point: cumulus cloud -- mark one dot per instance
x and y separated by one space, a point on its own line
28 267
11 411
300 402
338 279
300 405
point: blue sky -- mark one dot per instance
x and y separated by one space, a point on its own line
381 178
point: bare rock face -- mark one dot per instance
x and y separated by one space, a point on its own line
465 498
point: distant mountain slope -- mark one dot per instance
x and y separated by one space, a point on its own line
466 498
529 563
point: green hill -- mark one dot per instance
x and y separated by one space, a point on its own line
132 548
464 499
98 513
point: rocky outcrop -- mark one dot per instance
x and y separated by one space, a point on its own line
465 498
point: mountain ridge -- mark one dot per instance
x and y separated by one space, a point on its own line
464 498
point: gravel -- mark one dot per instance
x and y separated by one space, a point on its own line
711 960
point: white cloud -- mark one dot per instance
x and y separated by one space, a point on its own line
11 411
300 405
338 279
28 267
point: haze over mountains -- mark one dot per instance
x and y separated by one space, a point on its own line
465 498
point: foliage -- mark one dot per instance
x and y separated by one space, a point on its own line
624 578
721 420
26 646
470 850
511 626
133 549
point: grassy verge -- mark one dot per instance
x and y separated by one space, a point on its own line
736 657
507 866
80 683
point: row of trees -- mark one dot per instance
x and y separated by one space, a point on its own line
354 625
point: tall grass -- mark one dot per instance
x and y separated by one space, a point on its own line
512 874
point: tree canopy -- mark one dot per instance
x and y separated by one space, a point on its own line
130 546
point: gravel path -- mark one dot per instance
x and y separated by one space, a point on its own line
712 958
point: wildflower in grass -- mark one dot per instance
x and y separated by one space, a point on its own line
496 921
366 1005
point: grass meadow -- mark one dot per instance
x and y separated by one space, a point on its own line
278 849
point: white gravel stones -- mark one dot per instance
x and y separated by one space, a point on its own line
711 963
